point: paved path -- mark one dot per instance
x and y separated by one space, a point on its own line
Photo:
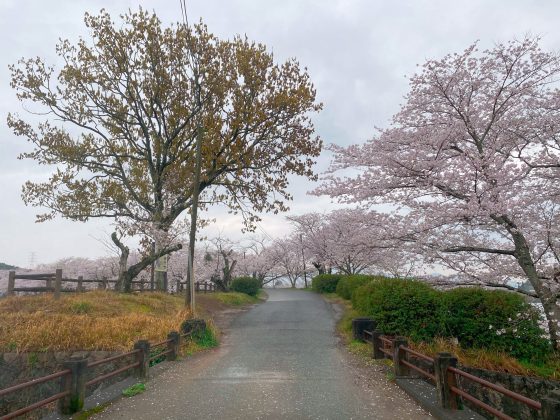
280 360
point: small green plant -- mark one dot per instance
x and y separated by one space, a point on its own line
247 285
86 414
81 307
206 339
32 360
325 283
390 375
156 360
134 390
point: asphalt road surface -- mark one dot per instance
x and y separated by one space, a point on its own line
280 360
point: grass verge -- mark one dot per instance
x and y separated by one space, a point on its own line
101 320
96 320
477 358
236 298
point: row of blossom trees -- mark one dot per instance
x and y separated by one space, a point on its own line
471 167
344 241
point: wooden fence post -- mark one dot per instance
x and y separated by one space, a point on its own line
445 379
80 287
57 283
551 405
173 345
143 358
11 282
193 326
377 344
398 355
361 324
75 382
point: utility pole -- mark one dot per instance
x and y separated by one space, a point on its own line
152 268
303 258
190 295
190 289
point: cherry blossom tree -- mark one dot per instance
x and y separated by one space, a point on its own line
258 260
286 253
471 166
353 241
311 227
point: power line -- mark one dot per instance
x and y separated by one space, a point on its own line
184 12
255 222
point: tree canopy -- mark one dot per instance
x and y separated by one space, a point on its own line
120 119
470 167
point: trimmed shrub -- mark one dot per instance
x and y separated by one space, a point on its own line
348 284
401 307
476 317
495 320
247 285
325 283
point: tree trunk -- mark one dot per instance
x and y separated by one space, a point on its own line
320 267
549 295
227 270
126 275
159 276
220 285
122 281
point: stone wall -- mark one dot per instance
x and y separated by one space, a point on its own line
16 368
531 387
534 388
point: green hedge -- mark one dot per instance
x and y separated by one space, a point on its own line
401 307
494 319
247 285
478 318
325 283
347 284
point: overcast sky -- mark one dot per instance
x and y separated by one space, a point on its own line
358 54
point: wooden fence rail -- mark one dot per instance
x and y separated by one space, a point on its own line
446 373
73 383
54 282
200 286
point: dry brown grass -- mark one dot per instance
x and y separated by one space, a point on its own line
491 360
96 320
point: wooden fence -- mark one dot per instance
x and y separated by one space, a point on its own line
53 282
199 286
442 372
79 374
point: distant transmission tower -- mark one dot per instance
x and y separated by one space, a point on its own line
32 259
